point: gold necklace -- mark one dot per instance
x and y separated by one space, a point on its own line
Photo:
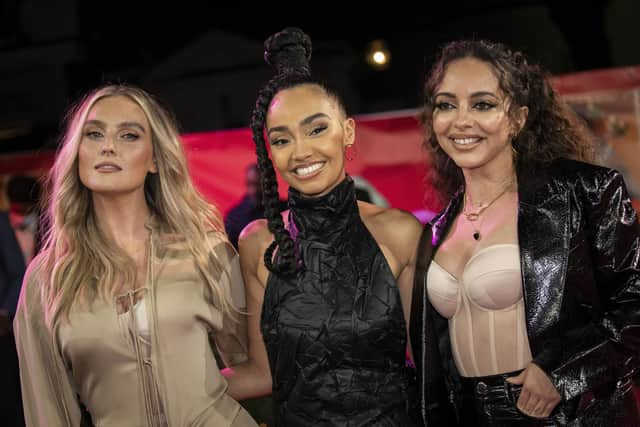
472 217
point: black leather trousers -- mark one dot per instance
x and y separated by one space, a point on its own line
491 402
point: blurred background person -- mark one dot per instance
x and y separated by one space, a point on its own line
12 267
24 199
248 209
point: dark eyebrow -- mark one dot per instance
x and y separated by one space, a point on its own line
445 94
303 122
132 125
483 93
122 125
473 95
98 123
312 118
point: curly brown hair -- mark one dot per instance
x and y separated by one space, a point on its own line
551 130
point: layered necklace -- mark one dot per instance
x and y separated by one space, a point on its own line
473 216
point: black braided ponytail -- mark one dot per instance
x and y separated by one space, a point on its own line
289 51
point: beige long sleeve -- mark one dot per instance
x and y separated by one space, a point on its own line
47 393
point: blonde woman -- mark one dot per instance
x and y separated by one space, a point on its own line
135 282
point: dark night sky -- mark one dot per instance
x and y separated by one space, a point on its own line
206 63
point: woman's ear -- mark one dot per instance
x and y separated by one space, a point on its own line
153 168
349 129
521 119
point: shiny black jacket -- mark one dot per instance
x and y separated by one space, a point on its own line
579 243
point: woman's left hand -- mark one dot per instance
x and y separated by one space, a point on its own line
538 396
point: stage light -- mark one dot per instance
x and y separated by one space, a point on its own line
378 55
379 58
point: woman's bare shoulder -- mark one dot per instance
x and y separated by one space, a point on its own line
395 228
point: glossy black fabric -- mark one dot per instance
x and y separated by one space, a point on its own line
580 257
335 333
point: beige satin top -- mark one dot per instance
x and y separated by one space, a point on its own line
164 373
486 312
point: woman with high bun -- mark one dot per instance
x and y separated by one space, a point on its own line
328 282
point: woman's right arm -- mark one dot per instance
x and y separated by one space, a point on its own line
47 393
253 377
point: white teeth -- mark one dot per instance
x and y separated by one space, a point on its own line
465 141
308 169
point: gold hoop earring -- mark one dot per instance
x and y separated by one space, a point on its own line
514 151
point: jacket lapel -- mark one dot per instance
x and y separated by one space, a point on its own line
423 336
543 236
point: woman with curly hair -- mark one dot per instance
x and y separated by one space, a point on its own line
136 280
328 286
526 306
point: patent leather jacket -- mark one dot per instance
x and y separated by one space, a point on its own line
579 243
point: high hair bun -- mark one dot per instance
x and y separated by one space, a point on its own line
288 51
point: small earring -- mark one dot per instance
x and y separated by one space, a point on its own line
349 154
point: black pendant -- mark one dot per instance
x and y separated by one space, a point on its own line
476 235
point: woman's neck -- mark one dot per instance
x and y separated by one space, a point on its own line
483 184
122 218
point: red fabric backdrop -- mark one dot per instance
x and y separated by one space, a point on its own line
388 154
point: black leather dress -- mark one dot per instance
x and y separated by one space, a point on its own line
335 331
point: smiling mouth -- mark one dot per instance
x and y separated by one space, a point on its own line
465 141
307 171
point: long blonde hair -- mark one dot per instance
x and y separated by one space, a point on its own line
78 260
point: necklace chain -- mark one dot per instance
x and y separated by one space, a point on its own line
472 217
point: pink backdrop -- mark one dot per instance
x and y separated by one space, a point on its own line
388 154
